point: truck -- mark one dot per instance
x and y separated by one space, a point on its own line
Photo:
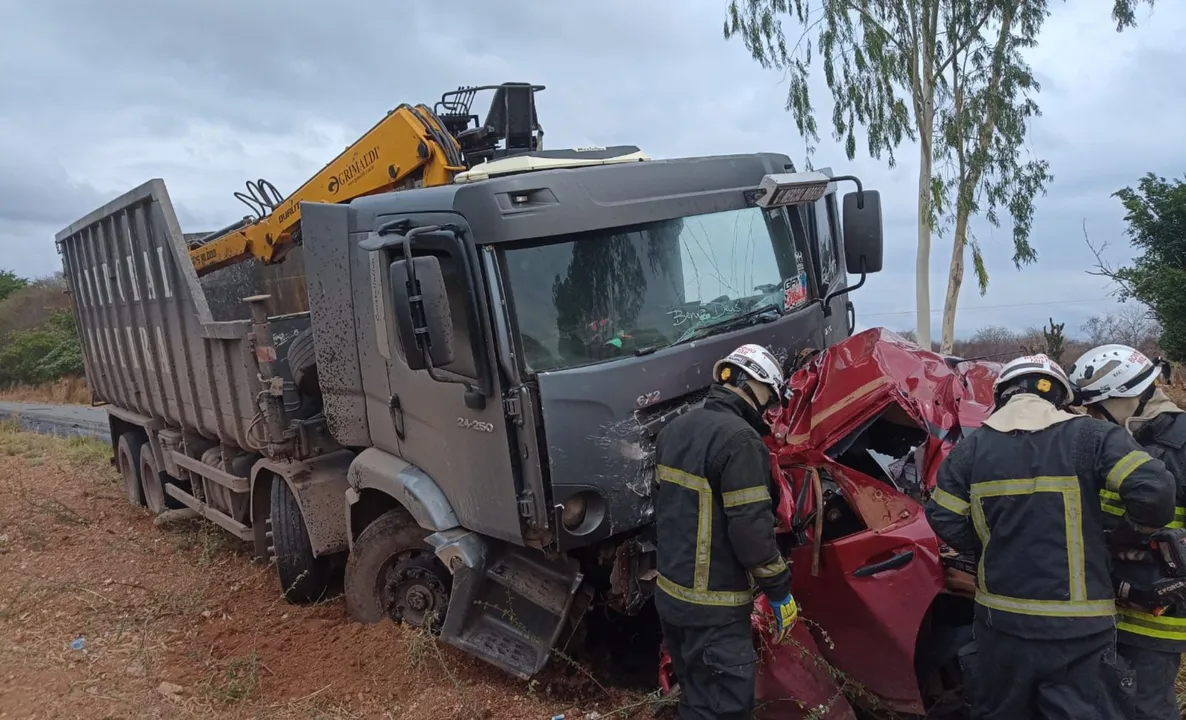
459 429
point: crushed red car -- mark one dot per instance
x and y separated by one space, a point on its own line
884 613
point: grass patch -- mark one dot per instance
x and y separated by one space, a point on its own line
85 451
81 453
236 681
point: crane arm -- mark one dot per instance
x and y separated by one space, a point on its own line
409 146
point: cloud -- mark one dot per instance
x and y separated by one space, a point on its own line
102 96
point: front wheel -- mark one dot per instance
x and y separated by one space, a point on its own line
393 573
303 577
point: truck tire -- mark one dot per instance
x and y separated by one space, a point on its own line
127 455
303 577
389 563
152 483
302 363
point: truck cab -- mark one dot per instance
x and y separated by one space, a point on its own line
501 353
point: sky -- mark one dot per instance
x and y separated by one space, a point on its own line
97 97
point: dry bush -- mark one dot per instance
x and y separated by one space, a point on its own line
31 306
66 391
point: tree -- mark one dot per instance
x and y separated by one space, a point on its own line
947 73
1132 324
10 283
1156 216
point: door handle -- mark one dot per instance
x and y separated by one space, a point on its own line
892 563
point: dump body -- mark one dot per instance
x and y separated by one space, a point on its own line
151 346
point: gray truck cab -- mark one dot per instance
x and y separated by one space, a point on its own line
503 350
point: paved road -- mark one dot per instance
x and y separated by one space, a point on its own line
59 419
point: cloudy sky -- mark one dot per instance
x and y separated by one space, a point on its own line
96 97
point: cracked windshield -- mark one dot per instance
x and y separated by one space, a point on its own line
600 295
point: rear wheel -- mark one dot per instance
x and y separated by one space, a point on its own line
127 453
393 573
152 483
303 577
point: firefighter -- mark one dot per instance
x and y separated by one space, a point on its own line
1021 492
1118 384
715 525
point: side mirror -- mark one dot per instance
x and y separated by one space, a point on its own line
423 319
862 232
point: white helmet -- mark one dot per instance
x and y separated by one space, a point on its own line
1112 371
757 362
1029 366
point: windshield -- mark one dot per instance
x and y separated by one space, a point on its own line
593 296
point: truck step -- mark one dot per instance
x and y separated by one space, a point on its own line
226 522
512 612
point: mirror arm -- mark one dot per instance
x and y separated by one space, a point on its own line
827 301
474 399
860 189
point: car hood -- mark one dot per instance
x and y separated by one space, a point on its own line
834 391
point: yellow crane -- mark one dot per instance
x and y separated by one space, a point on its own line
413 146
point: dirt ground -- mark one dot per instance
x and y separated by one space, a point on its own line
105 615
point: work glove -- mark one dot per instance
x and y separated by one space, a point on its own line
786 612
1154 597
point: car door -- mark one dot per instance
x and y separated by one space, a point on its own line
874 586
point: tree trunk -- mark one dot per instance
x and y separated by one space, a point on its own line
955 280
922 262
970 181
926 130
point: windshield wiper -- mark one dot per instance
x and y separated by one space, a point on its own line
752 316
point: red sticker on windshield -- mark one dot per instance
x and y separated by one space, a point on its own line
794 293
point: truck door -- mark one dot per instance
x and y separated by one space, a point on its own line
454 434
829 265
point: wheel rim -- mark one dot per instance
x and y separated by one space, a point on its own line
416 590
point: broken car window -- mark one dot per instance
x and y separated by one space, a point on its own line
593 296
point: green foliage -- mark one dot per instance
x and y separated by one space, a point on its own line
1156 217
1056 342
44 354
38 340
10 283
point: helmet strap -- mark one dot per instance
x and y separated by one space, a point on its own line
1145 398
1103 410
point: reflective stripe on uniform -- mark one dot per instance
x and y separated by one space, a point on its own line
1068 486
1048 608
734 498
1111 503
947 501
700 486
705 597
1124 468
770 569
1139 622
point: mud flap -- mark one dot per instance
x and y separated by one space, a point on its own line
512 611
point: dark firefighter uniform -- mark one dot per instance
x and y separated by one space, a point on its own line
1022 493
1153 645
715 530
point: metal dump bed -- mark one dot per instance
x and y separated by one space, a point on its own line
150 343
